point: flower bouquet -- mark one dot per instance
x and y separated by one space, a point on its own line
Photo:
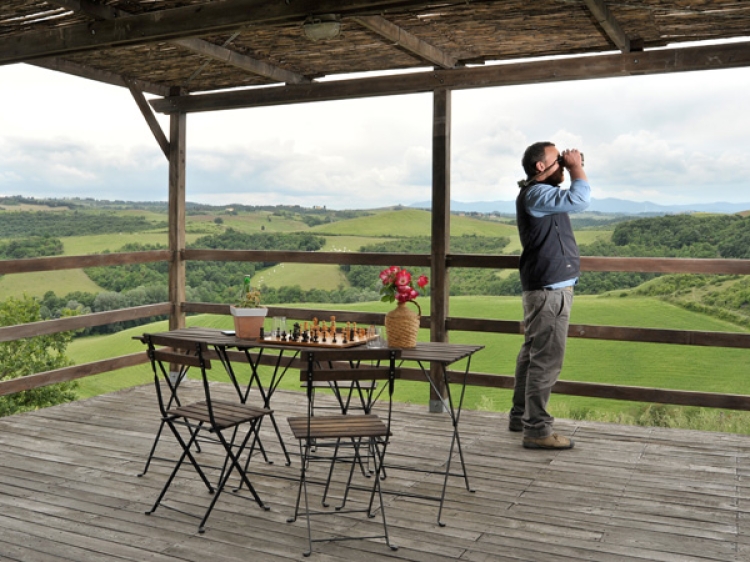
401 324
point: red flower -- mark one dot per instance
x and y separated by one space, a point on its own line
398 285
403 278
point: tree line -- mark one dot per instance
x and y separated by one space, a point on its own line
76 223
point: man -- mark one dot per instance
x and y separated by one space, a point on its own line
550 266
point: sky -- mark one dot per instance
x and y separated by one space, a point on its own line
673 139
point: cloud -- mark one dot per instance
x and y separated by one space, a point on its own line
674 138
68 168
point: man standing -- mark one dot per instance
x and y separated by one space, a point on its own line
550 266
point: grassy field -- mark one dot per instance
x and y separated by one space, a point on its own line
262 221
307 276
412 222
37 283
622 363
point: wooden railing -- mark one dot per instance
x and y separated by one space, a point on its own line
615 333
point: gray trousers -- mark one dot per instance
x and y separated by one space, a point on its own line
546 318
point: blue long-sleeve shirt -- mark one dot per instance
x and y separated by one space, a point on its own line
543 199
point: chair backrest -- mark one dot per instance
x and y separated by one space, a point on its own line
177 356
355 364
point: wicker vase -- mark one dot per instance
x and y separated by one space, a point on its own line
402 327
248 322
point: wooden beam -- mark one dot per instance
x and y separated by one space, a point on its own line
636 265
407 41
609 24
199 46
28 265
176 220
180 23
440 234
667 265
149 116
337 258
64 374
242 62
83 71
711 57
71 323
440 215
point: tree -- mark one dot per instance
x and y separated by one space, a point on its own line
32 355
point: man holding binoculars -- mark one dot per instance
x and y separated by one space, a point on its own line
550 266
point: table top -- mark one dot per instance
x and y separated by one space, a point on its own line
445 353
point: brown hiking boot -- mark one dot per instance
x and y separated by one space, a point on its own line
553 441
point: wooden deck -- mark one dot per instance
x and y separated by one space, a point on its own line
70 491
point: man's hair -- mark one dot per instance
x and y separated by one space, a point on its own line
534 154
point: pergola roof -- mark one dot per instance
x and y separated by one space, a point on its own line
189 46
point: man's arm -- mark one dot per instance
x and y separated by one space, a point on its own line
542 199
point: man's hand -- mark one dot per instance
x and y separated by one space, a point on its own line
573 161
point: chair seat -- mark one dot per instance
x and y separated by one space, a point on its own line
226 414
344 426
365 385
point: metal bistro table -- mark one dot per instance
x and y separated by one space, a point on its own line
444 355
424 355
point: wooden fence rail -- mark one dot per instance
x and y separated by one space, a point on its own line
615 333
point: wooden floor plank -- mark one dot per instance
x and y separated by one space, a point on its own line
69 490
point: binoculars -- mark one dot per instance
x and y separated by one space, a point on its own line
562 163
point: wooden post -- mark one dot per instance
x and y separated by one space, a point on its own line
177 134
441 194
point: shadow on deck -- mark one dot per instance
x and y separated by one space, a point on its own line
70 491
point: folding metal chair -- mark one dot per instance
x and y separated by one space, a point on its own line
343 437
349 395
217 421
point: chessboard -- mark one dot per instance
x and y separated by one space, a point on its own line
340 342
320 335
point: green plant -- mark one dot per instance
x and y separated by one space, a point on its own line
248 297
